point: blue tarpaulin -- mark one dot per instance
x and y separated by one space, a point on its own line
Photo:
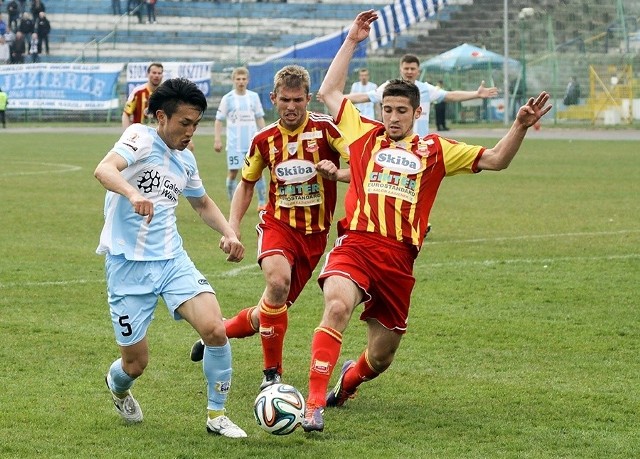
314 55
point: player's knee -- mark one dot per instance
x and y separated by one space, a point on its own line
214 334
381 359
134 368
337 314
278 287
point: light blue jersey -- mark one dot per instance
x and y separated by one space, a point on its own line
161 175
428 94
240 113
366 108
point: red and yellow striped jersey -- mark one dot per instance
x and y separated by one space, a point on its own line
394 183
137 103
298 196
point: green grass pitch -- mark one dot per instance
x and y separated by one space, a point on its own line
523 338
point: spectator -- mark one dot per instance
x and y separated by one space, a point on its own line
151 11
441 111
34 48
572 94
9 37
18 49
3 26
27 27
135 7
37 7
116 7
5 51
22 4
4 101
13 10
43 27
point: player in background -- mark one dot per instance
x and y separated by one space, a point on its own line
395 175
364 85
145 173
135 109
302 152
244 115
410 71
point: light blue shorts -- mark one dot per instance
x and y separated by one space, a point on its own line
235 160
135 286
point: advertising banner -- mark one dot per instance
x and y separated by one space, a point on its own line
198 72
61 86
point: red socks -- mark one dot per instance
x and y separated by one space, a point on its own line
273 326
325 350
358 374
240 326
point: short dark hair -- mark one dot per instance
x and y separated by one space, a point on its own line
403 88
410 59
154 64
174 92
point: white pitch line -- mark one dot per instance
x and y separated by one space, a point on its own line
544 261
235 272
530 236
62 168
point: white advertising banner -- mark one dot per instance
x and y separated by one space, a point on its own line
198 72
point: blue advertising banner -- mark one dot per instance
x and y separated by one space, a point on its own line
61 86
198 72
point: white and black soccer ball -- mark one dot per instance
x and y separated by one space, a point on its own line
279 409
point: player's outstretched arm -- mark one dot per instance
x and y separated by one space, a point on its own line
332 89
481 93
500 156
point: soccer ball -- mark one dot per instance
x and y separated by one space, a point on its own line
279 409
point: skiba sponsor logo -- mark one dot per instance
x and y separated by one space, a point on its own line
398 161
295 171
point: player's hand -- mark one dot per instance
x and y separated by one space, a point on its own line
217 146
142 206
485 93
530 113
362 25
327 169
233 248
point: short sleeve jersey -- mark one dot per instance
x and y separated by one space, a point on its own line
428 94
137 103
394 183
240 112
366 108
298 196
159 174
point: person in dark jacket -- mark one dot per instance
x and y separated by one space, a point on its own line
18 49
37 7
13 10
43 27
27 27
